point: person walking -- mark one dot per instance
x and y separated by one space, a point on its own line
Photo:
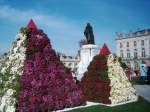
148 72
143 71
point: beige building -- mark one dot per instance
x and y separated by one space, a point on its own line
134 48
69 61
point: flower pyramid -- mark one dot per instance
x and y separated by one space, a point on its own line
44 83
32 78
11 66
106 82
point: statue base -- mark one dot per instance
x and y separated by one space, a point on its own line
87 52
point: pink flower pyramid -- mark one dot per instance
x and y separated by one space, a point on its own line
105 50
44 83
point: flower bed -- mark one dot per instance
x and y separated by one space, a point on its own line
95 83
11 66
106 82
44 83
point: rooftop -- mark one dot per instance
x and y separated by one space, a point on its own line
135 34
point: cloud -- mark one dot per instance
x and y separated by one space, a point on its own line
55 22
58 27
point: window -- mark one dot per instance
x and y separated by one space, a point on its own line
121 53
69 64
143 52
135 53
135 43
120 45
128 63
142 42
127 44
136 65
76 64
128 53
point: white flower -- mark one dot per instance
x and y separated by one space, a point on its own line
121 89
14 60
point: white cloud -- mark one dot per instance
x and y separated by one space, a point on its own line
58 27
18 15
51 21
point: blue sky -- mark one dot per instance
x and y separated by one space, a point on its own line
64 20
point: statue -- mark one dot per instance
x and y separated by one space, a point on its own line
88 32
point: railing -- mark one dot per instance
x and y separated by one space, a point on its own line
134 34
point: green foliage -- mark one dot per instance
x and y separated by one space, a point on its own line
104 73
16 86
3 79
141 106
14 45
140 81
97 96
123 65
67 70
95 82
9 81
49 110
31 51
25 31
99 67
24 44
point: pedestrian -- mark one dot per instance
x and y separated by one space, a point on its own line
143 71
148 72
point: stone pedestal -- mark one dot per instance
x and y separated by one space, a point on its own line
87 52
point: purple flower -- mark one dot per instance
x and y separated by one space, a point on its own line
45 85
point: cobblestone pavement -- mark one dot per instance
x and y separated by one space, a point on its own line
143 90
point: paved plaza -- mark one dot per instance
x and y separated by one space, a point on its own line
144 91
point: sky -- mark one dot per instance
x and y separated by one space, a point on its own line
64 21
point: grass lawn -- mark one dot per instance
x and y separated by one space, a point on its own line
141 106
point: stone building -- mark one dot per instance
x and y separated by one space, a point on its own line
69 61
134 47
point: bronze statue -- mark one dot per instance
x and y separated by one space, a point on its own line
88 32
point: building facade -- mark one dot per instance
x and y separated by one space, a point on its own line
69 61
134 48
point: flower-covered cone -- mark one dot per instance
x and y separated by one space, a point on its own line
121 89
44 83
106 82
95 82
11 66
